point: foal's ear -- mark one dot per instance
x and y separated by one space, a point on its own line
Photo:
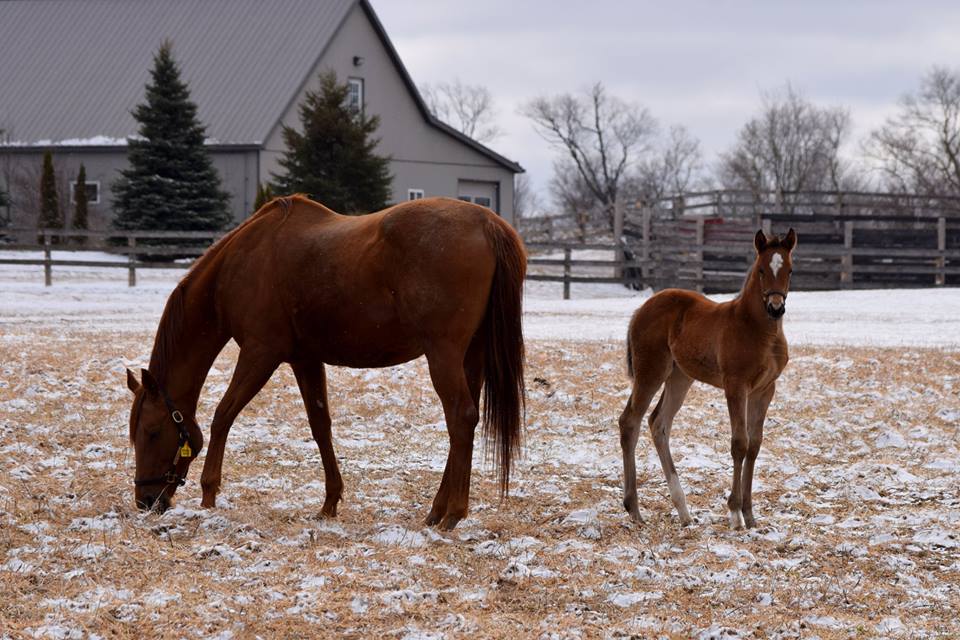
132 383
760 241
790 241
149 382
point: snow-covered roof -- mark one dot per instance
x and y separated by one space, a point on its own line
73 71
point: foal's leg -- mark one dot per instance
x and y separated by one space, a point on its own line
254 368
756 414
648 374
312 380
473 368
737 407
462 415
661 422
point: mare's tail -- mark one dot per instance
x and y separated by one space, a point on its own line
502 333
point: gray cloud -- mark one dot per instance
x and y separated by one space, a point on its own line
700 64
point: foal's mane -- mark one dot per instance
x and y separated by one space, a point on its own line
170 330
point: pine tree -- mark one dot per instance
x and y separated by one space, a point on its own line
264 195
79 222
51 217
171 182
333 159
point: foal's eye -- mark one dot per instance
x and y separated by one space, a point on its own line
761 272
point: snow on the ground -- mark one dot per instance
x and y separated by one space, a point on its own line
856 490
596 312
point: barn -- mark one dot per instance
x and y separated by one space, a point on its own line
72 71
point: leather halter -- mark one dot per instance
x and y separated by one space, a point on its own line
171 477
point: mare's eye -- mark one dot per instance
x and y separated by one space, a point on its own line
761 272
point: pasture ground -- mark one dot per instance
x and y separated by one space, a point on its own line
857 497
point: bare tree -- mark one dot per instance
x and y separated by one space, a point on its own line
793 145
601 137
465 107
676 167
918 150
525 200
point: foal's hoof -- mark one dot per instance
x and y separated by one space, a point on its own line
329 511
208 502
433 518
736 520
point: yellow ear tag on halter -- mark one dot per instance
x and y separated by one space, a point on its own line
185 450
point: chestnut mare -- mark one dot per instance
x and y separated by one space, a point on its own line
679 336
300 284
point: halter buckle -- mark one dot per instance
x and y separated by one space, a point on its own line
177 416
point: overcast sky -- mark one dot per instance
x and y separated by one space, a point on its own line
700 64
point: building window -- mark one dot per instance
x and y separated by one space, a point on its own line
414 194
355 94
483 201
93 192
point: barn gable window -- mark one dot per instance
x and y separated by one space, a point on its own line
355 94
414 194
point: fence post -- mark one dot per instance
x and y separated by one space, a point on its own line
645 251
846 274
131 261
941 277
47 260
767 227
618 211
699 255
566 273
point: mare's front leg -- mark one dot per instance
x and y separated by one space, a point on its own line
312 380
254 368
756 414
737 407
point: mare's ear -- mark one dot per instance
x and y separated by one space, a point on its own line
760 241
132 383
790 241
149 382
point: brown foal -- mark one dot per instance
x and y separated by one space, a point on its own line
679 336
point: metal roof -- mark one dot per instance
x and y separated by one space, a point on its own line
73 70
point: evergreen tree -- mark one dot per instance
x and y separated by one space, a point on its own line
264 195
51 217
171 182
333 159
79 221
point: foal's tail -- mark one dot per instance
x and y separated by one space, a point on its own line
502 333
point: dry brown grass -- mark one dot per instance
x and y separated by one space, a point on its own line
845 541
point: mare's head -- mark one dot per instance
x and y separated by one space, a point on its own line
773 267
164 440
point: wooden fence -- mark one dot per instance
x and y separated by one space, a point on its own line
704 241
142 249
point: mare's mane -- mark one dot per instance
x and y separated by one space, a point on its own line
171 322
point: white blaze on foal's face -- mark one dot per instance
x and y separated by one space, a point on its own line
776 261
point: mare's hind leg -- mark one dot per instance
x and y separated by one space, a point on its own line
648 374
449 378
473 368
312 380
661 422
756 414
254 368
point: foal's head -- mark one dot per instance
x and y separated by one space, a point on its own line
773 266
165 442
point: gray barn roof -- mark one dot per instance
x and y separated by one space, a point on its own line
73 70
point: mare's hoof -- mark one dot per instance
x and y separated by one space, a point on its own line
449 522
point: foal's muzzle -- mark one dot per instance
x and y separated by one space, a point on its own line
776 304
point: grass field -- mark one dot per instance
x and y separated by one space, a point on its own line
857 501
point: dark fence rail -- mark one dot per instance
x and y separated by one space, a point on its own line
142 249
704 240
